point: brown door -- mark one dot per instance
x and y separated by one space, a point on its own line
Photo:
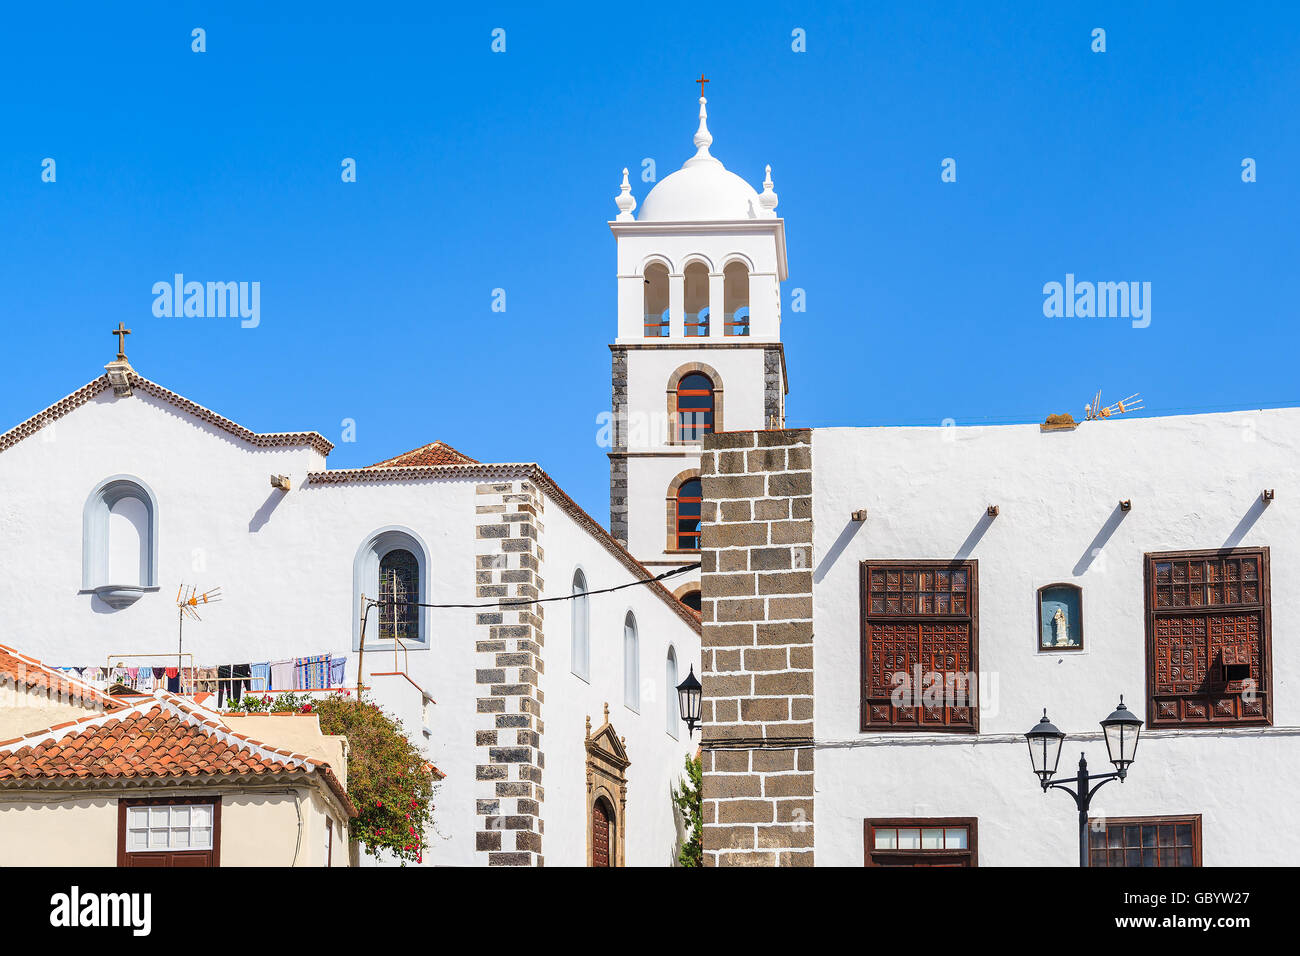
601 825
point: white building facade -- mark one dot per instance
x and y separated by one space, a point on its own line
124 490
698 348
851 573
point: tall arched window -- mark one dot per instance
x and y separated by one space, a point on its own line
581 611
696 299
686 526
399 590
392 567
631 664
656 300
735 298
670 691
119 557
694 406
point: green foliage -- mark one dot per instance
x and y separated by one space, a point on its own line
689 798
389 780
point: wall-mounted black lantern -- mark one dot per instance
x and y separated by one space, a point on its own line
688 701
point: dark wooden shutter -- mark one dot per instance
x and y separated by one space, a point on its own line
919 619
1207 638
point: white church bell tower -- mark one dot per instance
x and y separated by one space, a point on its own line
698 349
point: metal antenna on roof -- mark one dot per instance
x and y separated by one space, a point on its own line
1096 410
188 606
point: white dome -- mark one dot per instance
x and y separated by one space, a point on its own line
704 191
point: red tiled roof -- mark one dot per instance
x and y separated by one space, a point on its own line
88 391
434 453
29 673
162 737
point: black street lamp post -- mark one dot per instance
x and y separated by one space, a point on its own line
1121 730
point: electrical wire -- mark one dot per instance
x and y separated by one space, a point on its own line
519 602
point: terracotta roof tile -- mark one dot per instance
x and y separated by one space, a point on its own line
163 736
28 673
434 453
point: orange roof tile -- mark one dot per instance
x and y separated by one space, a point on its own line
163 736
29 673
434 453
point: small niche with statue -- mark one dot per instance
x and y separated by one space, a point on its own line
1060 617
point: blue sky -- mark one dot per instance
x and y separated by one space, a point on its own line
478 171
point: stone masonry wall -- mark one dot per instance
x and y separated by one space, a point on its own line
757 711
508 727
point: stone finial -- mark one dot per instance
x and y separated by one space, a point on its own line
589 725
606 711
703 140
768 199
625 201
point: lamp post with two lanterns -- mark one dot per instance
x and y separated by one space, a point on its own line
1121 730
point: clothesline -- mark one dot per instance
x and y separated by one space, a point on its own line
318 672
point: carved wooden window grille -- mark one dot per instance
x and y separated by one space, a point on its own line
1208 653
920 628
1145 841
399 582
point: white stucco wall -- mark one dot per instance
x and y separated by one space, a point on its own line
285 564
1194 482
657 757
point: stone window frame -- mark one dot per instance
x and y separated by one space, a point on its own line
673 381
606 771
670 511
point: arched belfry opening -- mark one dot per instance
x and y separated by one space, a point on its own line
735 298
656 300
696 300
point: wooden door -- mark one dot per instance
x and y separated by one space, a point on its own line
601 825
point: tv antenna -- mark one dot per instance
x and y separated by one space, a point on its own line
188 604
1096 410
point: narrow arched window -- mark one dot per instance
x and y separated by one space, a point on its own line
391 568
735 298
695 299
687 526
670 691
694 406
656 300
399 590
581 611
631 664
